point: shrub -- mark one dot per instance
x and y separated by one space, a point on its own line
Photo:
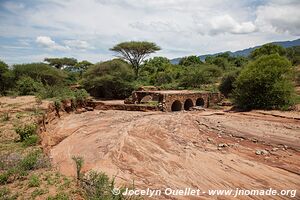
227 83
38 192
59 196
265 84
4 178
28 86
97 185
81 95
5 78
197 76
268 49
29 161
79 163
40 72
31 141
111 79
163 78
190 61
5 194
5 117
26 131
34 181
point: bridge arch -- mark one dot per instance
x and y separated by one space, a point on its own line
200 102
176 106
188 104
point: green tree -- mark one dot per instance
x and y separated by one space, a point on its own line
83 65
135 52
156 64
60 63
265 84
293 54
190 60
27 86
197 76
4 76
110 79
267 49
240 61
40 72
227 83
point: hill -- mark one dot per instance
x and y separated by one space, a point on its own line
246 52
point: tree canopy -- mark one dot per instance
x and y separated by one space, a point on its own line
265 83
59 63
268 49
190 60
110 79
3 76
40 72
135 52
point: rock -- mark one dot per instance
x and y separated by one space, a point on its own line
258 152
89 108
264 152
198 108
223 145
261 152
275 149
210 139
225 103
80 110
254 140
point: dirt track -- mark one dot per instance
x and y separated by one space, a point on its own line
205 150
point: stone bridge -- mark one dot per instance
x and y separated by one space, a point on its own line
176 100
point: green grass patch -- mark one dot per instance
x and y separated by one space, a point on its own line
34 181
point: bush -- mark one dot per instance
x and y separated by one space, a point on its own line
5 78
268 49
111 79
34 181
79 163
59 196
4 178
27 86
227 83
98 186
26 131
57 91
5 117
197 76
5 194
40 72
31 141
81 95
29 161
190 61
265 84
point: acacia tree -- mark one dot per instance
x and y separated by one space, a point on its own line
135 52
59 63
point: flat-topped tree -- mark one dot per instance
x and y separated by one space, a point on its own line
135 52
60 63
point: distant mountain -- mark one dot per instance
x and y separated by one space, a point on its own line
246 52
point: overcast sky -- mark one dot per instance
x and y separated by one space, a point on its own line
31 30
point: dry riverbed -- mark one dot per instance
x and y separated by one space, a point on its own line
206 150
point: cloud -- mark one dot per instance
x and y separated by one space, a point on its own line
78 44
225 24
279 17
48 43
156 26
179 27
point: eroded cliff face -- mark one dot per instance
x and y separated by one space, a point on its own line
205 150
